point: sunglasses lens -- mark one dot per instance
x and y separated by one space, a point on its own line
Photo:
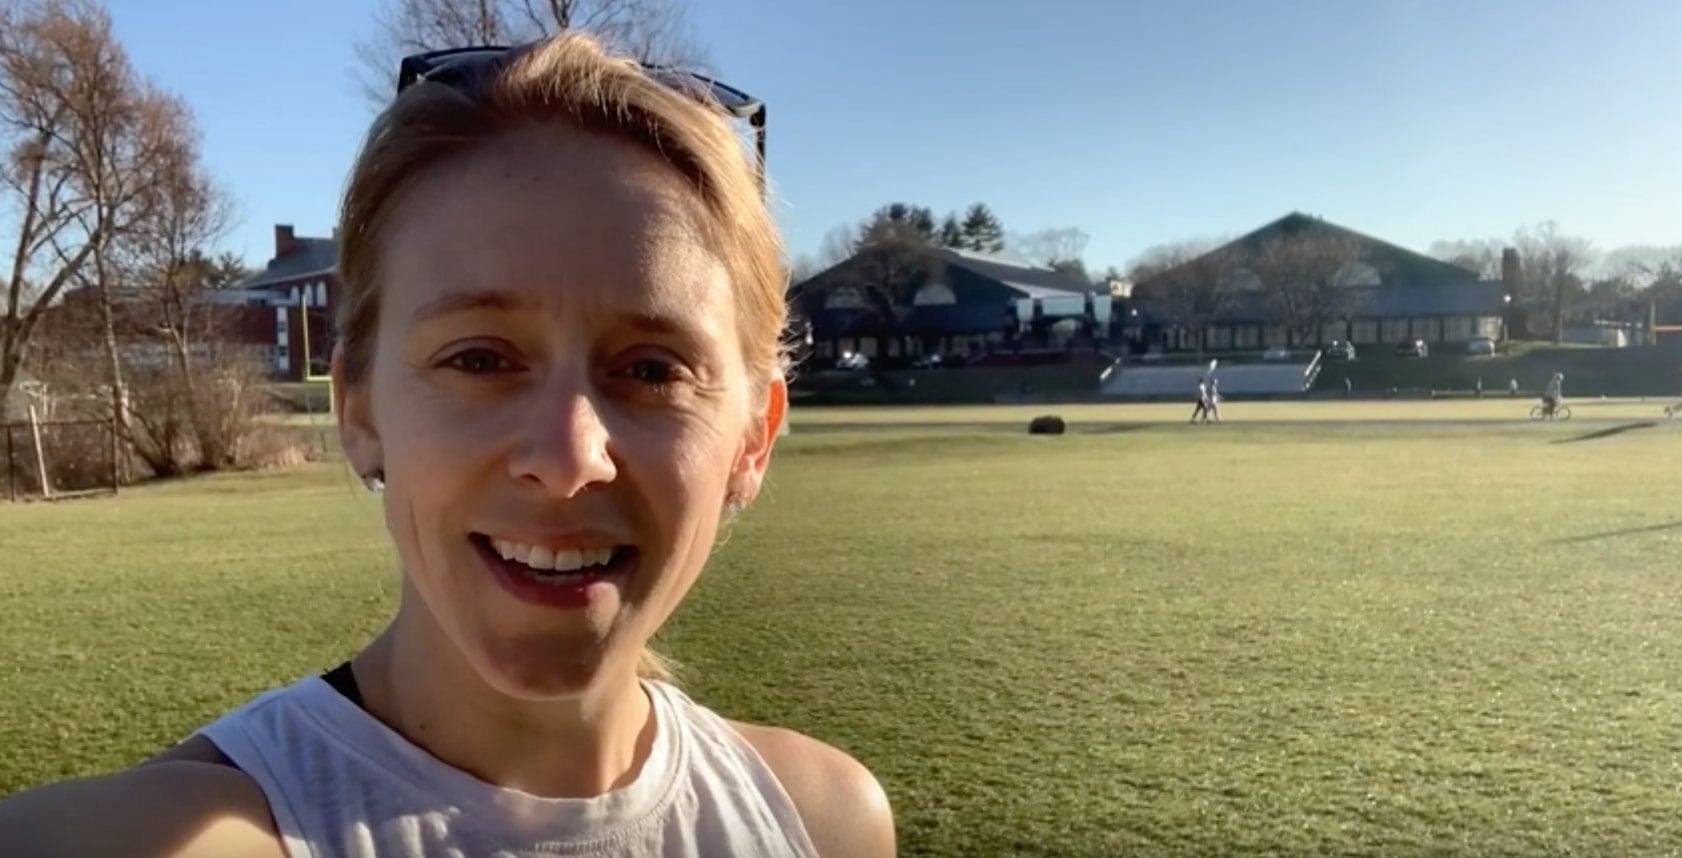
453 66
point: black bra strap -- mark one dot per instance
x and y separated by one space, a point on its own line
344 682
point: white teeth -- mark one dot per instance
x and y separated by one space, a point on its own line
546 559
541 558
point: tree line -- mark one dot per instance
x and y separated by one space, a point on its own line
977 229
1564 279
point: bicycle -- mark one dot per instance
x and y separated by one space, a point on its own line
1560 412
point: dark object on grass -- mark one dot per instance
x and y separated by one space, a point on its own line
1049 424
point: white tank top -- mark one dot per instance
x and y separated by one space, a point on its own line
341 784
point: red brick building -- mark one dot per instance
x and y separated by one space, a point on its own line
300 283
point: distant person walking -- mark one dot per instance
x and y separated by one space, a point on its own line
1201 409
1512 387
1214 409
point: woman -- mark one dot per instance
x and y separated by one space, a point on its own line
560 365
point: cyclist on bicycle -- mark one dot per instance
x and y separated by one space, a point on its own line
1553 396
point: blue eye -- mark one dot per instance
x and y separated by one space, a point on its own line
478 361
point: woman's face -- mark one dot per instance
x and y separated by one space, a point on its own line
559 402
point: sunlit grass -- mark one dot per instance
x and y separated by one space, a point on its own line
1363 637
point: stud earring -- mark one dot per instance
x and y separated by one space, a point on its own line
734 504
375 481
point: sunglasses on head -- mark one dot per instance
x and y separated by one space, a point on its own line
457 66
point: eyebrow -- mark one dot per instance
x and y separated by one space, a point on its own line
467 302
660 324
491 300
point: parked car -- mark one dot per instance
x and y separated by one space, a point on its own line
1277 353
1340 350
853 362
1481 346
1413 349
928 361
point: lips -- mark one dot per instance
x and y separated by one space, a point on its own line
556 576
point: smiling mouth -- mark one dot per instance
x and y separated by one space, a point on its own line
566 566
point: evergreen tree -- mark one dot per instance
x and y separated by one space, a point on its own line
982 230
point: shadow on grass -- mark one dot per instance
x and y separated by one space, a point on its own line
1607 433
1112 428
1614 534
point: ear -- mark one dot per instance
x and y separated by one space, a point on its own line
762 436
356 427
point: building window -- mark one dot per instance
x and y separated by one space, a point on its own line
845 298
1275 335
1220 337
1394 331
1364 332
1356 274
1248 337
1490 326
934 295
1458 328
1243 280
867 346
1332 332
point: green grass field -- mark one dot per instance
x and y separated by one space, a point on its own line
1323 629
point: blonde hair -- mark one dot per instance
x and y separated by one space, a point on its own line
568 79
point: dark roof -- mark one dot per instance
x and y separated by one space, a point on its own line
1485 298
311 256
1024 279
1396 265
1013 273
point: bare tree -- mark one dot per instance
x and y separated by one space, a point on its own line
1063 249
838 245
1186 285
893 260
657 32
1552 266
1482 255
803 268
122 135
1641 265
1306 281
44 61
187 214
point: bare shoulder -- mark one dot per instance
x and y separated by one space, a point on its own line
842 805
167 808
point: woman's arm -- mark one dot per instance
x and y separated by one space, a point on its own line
160 810
843 807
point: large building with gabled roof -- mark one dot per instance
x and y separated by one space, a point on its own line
966 303
1398 296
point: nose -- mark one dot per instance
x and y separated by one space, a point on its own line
563 445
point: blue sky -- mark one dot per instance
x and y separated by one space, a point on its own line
1137 122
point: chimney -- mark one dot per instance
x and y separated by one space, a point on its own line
284 240
1509 269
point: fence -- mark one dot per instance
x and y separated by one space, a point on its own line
59 458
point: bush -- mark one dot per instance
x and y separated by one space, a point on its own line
269 446
1049 424
213 419
78 457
